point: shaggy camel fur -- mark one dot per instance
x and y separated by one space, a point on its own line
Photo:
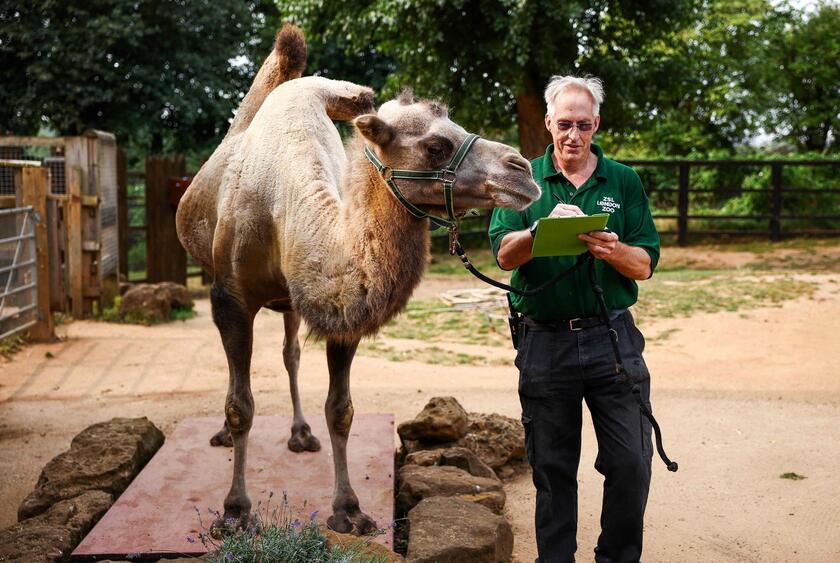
284 217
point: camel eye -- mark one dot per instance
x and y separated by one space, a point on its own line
438 148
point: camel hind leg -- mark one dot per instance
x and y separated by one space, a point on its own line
347 516
235 323
302 438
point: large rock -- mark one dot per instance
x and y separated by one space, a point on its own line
365 548
53 535
417 482
443 419
498 440
103 457
462 458
451 530
153 302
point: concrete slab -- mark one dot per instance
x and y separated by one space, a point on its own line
157 512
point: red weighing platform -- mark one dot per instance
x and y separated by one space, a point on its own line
156 515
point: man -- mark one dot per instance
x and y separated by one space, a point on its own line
565 355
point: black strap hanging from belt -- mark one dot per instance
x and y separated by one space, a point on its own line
621 374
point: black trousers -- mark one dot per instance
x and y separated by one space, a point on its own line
558 370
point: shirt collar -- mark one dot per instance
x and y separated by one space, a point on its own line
549 172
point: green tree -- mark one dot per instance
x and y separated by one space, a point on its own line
490 59
160 74
806 79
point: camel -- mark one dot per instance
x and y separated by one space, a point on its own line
284 216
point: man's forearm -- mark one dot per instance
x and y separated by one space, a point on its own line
515 249
631 261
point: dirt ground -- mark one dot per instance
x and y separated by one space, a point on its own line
743 397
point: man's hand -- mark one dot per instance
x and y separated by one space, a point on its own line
601 244
565 210
631 261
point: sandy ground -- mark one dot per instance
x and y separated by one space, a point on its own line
742 398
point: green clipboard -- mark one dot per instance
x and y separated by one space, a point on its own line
557 236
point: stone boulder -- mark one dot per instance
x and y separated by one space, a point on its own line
366 548
462 458
153 302
443 419
498 440
103 457
452 530
417 482
52 535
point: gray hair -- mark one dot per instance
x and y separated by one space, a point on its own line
590 84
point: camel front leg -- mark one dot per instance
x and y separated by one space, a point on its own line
302 438
346 517
235 323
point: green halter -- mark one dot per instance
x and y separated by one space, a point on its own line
446 175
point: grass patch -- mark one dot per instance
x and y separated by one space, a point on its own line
275 536
432 355
11 345
686 292
790 475
483 259
431 320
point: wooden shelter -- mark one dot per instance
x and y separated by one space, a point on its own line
82 220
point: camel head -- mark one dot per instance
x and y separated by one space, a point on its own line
411 134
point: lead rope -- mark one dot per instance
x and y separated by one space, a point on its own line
620 372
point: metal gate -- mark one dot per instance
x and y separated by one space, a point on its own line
18 270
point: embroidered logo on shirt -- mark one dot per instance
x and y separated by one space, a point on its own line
609 205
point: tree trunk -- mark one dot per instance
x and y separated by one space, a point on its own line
530 114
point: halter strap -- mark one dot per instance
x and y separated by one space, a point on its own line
446 175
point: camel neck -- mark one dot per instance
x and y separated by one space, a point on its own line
374 258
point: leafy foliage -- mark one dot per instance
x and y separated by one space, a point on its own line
163 75
489 59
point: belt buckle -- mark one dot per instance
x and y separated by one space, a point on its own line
572 326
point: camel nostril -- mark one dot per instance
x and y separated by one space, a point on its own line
518 162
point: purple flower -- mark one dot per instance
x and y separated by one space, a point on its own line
229 556
296 524
313 515
190 539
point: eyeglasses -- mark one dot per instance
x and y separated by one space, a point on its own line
581 125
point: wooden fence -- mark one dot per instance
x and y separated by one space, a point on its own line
774 217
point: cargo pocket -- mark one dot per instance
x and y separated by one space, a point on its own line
632 350
529 438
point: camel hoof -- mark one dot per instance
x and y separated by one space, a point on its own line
302 440
222 438
356 522
228 525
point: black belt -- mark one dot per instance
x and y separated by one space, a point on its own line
566 325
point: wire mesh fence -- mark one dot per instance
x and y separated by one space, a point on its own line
18 271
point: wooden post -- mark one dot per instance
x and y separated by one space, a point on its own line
682 205
73 222
36 184
122 213
166 259
776 201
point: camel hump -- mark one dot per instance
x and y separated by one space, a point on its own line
285 62
290 48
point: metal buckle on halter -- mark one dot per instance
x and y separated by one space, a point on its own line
445 179
572 326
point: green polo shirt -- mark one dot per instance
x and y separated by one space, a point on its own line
613 188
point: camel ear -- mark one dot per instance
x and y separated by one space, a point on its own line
374 129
